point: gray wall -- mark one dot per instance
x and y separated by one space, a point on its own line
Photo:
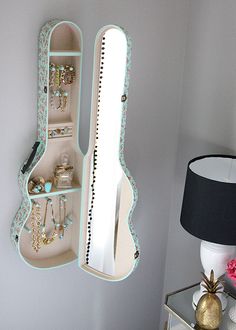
68 298
207 122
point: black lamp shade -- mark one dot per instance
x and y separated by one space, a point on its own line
209 202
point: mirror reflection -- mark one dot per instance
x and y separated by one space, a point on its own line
105 169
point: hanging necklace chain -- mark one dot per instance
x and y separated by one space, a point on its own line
45 238
62 205
39 235
36 226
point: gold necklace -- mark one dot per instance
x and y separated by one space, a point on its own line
36 226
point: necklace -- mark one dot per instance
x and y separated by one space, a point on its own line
62 207
36 226
48 239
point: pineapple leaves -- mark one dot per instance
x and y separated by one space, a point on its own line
211 284
212 276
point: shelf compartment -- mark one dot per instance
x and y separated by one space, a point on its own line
54 254
70 112
60 131
59 123
64 53
66 37
75 187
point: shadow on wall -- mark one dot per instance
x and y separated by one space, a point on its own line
190 147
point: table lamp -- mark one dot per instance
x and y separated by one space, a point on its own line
209 212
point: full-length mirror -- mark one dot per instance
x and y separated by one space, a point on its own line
109 247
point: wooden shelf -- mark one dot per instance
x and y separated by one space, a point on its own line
62 139
58 136
55 191
64 53
60 124
62 118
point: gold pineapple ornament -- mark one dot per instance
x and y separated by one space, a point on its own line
209 310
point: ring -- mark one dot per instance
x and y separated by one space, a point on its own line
36 185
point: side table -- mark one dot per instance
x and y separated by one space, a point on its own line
181 314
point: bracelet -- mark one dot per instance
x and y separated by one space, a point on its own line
60 74
69 75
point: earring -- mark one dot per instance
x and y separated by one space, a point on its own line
69 75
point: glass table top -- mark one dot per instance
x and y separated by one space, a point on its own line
180 305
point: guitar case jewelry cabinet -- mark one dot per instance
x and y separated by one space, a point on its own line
76 207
